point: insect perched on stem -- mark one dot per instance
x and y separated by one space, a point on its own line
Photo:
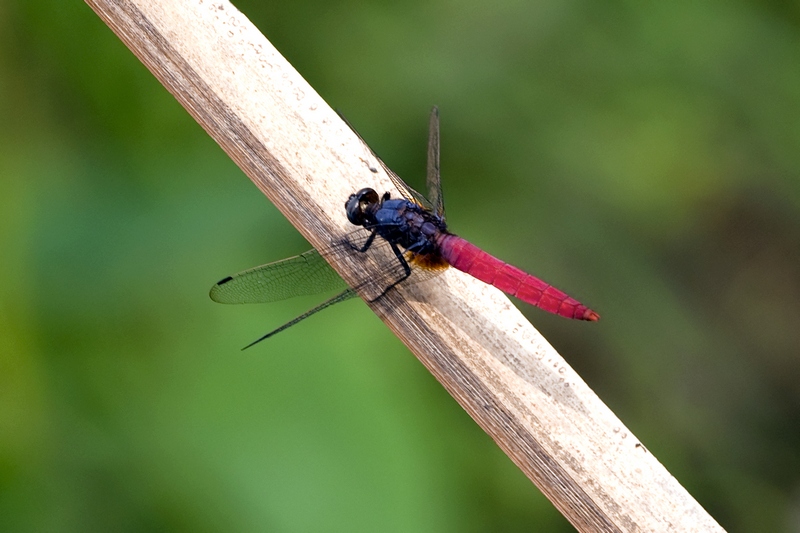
415 231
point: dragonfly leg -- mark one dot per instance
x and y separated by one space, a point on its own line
406 272
371 237
367 243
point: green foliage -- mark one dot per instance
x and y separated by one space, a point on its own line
642 157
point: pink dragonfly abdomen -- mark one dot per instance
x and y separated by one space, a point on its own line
467 257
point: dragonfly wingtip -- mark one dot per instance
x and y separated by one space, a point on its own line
256 342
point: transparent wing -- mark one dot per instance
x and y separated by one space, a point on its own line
307 273
345 295
434 182
407 192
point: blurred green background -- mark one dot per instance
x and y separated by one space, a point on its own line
643 157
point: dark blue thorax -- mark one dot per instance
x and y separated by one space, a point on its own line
408 225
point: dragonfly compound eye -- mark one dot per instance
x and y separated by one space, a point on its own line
358 204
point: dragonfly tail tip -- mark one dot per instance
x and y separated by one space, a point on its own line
591 316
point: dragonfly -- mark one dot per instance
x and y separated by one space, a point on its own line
413 229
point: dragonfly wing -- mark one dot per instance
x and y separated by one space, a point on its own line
345 295
307 273
407 192
434 182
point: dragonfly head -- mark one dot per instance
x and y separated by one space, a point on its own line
360 204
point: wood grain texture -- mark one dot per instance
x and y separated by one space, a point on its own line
478 345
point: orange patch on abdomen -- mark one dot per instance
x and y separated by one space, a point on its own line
428 261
